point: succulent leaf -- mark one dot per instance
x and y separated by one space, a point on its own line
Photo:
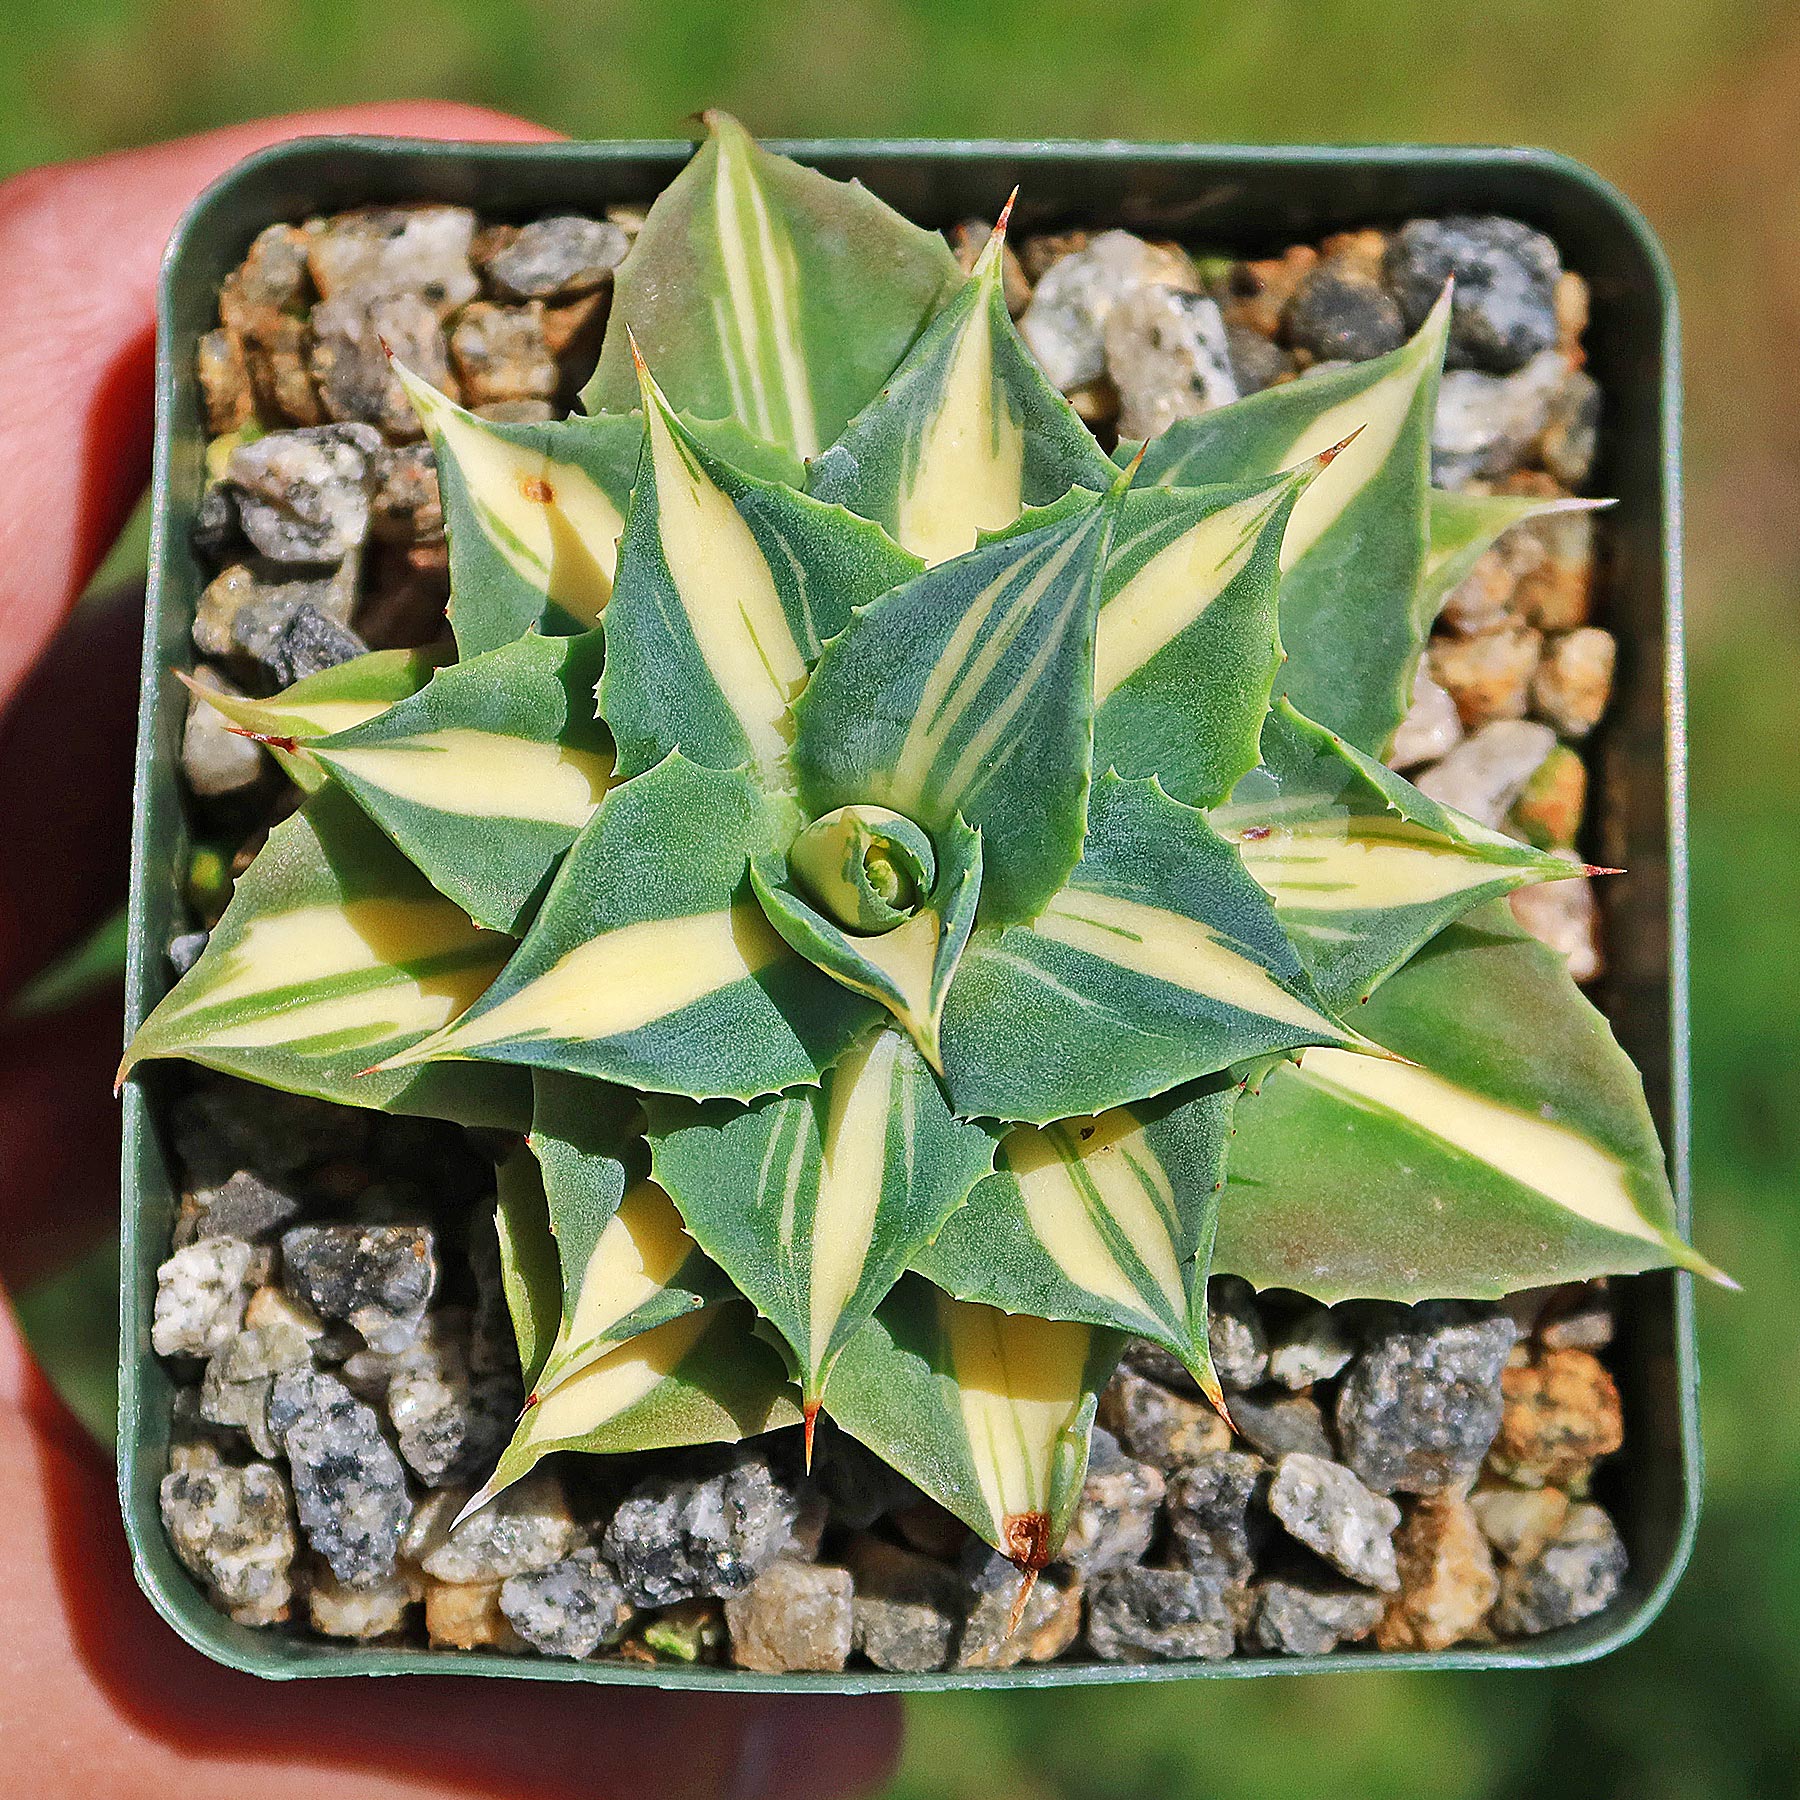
969 691
965 436
650 962
1186 648
989 1414
1361 866
1104 1221
530 1274
487 774
1517 1152
335 952
346 694
814 1202
1462 526
729 586
769 293
1354 552
907 968
704 1378
1159 963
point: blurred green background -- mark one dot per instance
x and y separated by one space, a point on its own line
1692 107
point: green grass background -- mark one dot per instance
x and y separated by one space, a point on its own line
1691 106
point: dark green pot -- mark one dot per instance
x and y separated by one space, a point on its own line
1242 199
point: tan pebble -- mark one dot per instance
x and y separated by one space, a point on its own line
1489 677
467 1616
793 1616
969 239
1484 600
224 381
1049 1625
1096 403
1561 1415
1550 806
1256 293
360 1613
1447 1579
1571 303
1039 254
1519 1522
1565 916
1574 680
1361 251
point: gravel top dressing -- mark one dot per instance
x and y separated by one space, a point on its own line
347 1305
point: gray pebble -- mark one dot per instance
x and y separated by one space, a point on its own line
1167 356
377 1278
570 1608
309 642
557 258
246 606
677 1536
1065 324
1157 1615
349 1485
1571 434
1308 1618
185 949
1156 1364
1166 1430
908 1608
1315 1347
232 1528
449 1425
1485 773
1257 362
1234 1333
1575 1575
201 1292
1115 1518
1504 310
234 1392
1339 314
215 760
1275 1423
1049 1624
1486 425
1325 1507
245 1207
407 507
353 337
303 495
216 533
1419 1408
421 250
527 1526
1208 1510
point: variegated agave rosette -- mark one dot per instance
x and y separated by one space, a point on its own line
935 952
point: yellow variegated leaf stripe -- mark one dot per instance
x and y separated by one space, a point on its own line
553 525
1351 863
1169 592
965 472
621 981
700 1379
482 775
988 1413
333 952
726 590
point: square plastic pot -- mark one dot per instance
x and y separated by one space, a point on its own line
1249 200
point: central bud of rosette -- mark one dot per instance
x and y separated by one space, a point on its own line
866 868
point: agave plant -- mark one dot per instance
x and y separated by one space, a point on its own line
909 875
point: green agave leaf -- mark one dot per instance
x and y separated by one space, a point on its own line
1361 866
704 1378
1518 1152
1161 962
767 292
625 1262
487 774
969 691
728 586
908 969
1354 552
533 514
1461 527
335 952
989 1414
348 693
1186 648
815 1202
1103 1221
966 434
530 1272
650 962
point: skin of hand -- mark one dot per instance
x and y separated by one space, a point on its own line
98 1698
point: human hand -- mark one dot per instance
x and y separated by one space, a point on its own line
98 1698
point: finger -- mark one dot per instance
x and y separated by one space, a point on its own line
81 244
65 802
103 1700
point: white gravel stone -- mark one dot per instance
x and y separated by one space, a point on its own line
1431 728
1574 680
1327 1509
1483 775
1566 916
201 1292
1486 424
1065 324
1167 356
527 1527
